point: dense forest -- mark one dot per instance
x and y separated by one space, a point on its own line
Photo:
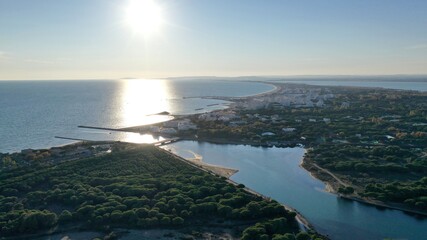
140 187
385 173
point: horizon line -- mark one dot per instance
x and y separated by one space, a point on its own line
227 77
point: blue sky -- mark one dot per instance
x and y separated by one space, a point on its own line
79 39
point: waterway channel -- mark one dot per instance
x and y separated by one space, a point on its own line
276 172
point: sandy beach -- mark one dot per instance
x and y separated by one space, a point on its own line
218 170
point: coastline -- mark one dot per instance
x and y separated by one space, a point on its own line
135 129
276 88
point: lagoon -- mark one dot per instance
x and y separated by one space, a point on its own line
275 172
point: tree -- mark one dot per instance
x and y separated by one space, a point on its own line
165 221
65 216
116 215
225 211
7 161
287 236
303 236
253 232
177 221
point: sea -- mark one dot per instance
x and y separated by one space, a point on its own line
33 113
414 86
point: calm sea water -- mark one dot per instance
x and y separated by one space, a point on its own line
417 86
32 113
275 172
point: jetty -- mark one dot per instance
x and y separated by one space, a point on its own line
166 141
75 139
105 128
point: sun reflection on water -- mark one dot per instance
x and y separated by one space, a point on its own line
141 98
141 138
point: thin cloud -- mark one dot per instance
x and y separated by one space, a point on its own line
418 46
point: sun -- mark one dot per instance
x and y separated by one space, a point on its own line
144 16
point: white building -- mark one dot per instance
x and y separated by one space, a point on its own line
345 105
170 124
168 131
268 134
186 125
320 103
275 117
288 130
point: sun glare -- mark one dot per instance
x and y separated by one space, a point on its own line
144 16
141 98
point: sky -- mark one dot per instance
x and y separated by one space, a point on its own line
92 39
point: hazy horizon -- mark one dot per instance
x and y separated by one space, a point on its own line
393 77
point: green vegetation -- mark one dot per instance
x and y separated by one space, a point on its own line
133 187
413 193
375 140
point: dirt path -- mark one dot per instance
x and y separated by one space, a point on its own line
331 174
